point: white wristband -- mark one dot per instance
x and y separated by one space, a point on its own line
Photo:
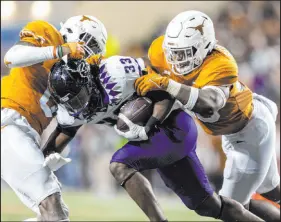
173 88
194 93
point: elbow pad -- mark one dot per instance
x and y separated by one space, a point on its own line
22 55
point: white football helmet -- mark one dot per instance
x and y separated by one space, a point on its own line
87 29
189 37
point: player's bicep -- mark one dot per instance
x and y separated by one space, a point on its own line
163 103
204 101
217 94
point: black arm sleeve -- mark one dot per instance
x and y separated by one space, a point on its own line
69 131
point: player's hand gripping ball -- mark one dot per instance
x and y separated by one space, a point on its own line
132 118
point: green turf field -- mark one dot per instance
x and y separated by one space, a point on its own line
85 207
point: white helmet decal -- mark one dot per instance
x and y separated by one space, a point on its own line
199 28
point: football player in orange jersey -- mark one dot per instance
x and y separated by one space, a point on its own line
27 109
203 77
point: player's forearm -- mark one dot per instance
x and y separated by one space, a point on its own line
26 55
160 111
162 108
57 141
202 101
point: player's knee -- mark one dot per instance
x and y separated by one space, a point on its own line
52 209
231 204
231 207
117 169
210 207
121 172
216 206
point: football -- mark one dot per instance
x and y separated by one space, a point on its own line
138 111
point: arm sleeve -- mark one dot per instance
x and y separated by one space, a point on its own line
69 131
25 55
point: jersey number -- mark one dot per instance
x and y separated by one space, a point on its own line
128 68
48 111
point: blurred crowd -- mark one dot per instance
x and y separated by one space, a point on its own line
250 31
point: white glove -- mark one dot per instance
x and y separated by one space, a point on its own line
135 133
268 103
55 161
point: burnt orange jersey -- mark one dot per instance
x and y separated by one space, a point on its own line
218 69
25 89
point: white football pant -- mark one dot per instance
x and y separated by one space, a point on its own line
22 161
251 164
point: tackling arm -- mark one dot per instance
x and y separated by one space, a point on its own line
59 139
203 101
25 54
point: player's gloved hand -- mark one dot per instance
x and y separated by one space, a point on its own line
94 59
135 133
55 161
151 81
73 49
268 103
